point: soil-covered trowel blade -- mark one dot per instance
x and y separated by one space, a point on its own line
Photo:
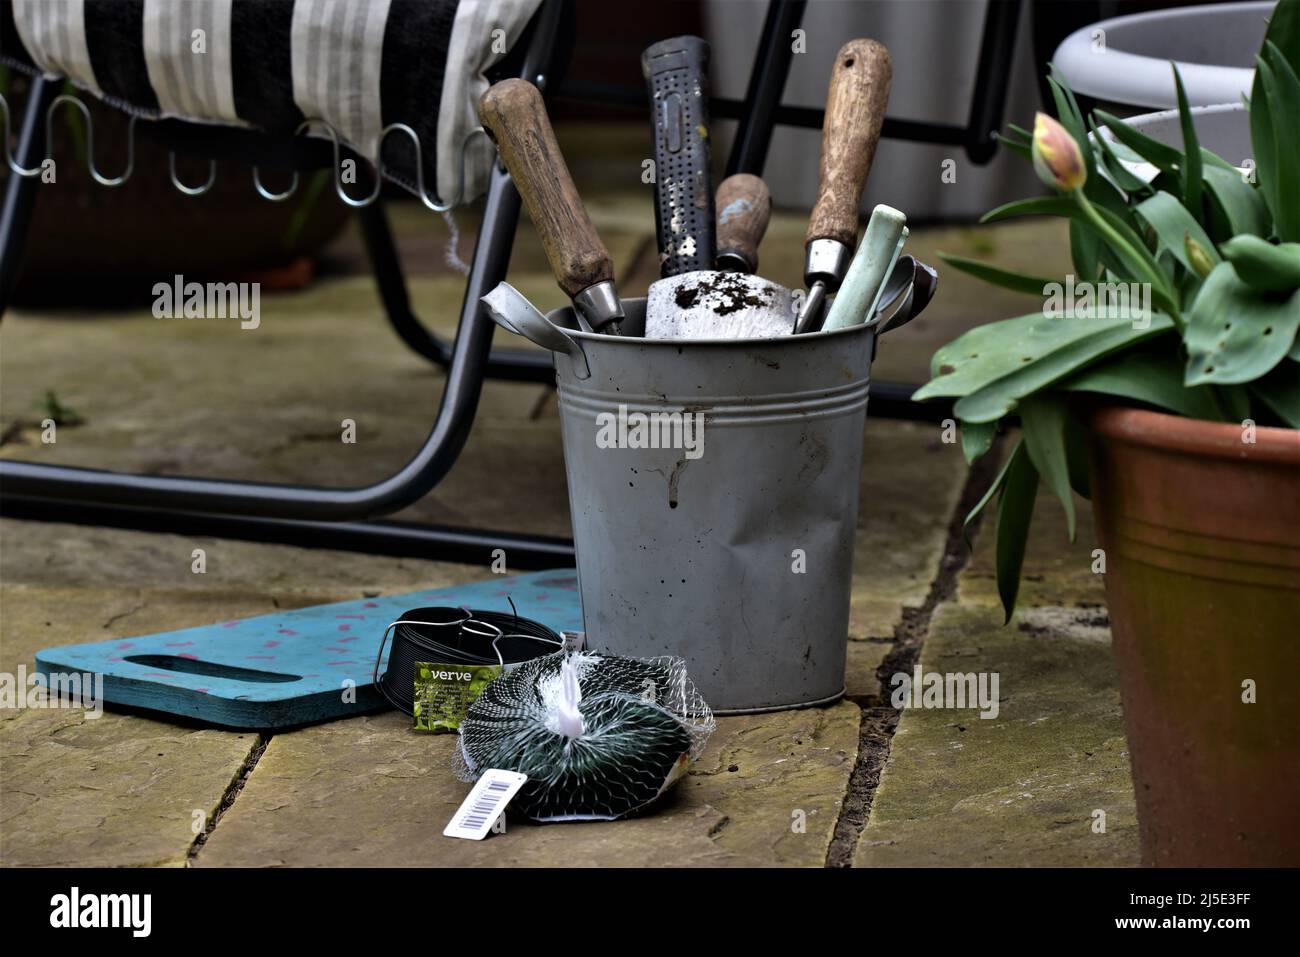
718 305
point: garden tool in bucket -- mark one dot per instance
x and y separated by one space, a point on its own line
855 114
693 299
713 486
515 117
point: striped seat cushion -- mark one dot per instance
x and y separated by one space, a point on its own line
269 64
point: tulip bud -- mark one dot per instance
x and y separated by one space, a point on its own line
1197 256
1058 160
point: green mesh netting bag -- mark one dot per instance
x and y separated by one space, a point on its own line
599 736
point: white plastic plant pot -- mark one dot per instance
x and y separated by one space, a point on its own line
1124 62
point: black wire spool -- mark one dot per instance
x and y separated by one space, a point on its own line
457 636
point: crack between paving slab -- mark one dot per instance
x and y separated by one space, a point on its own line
228 798
120 615
879 718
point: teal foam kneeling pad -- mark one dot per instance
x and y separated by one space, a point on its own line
294 667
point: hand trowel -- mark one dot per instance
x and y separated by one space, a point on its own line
515 117
855 112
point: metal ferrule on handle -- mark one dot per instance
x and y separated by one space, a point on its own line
600 307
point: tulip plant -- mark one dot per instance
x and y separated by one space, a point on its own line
1214 250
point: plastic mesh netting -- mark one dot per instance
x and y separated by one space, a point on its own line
599 736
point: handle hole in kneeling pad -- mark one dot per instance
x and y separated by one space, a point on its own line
210 669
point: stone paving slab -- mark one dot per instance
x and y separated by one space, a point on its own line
864 658
118 789
119 562
1021 788
370 791
911 483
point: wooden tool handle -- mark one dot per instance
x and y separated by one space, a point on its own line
515 117
855 110
744 206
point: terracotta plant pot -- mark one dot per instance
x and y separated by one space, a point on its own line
1201 532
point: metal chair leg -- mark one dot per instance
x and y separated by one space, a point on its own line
20 196
512 364
766 86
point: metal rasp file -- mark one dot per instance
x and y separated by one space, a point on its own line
676 72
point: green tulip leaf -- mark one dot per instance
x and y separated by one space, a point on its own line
1262 141
1165 158
1154 375
1122 176
1191 163
1284 31
1172 224
1018 282
1023 150
1067 207
1214 160
992 490
1015 510
987 353
1283 91
1018 140
1280 392
977 439
1236 333
1085 250
1242 205
1043 419
1163 293
1261 265
995 399
1076 455
1037 206
1115 146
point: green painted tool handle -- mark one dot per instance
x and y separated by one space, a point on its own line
868 270
871 315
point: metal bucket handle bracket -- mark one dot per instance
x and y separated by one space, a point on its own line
509 309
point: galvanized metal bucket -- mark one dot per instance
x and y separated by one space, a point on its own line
725 538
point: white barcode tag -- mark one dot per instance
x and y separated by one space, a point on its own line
485 803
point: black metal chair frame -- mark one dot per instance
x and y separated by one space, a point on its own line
342 518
